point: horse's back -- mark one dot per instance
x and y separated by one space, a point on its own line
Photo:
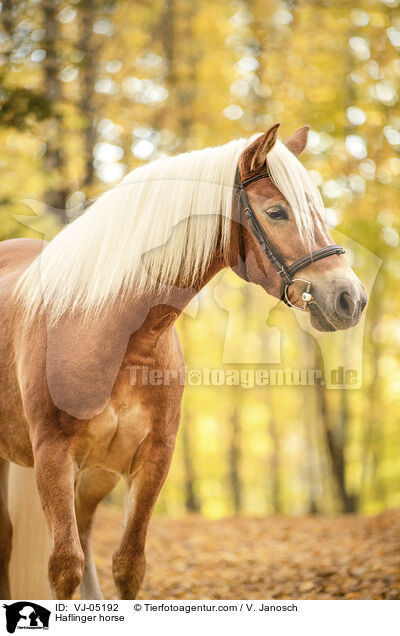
15 254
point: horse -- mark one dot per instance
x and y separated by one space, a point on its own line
100 299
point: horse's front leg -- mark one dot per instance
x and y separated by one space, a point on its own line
55 473
142 488
92 486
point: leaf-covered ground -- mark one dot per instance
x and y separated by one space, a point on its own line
255 558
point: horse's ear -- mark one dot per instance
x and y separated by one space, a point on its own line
298 141
254 156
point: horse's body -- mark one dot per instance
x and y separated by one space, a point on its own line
135 430
69 408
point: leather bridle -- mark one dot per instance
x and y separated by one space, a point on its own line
286 272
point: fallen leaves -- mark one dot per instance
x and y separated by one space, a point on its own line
348 557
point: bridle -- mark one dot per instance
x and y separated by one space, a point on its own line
286 272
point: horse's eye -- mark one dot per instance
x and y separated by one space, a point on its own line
276 213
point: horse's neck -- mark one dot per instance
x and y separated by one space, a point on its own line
174 300
165 310
147 318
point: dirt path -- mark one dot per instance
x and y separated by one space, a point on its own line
252 558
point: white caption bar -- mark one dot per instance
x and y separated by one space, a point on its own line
138 617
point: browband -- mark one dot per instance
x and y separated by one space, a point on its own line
256 177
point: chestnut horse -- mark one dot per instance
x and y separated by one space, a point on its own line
102 297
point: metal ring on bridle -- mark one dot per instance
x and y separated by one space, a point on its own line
306 295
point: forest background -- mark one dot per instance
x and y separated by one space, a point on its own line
91 89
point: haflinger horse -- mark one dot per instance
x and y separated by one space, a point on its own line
78 313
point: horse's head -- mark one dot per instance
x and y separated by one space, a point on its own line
279 202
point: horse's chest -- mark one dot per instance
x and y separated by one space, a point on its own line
113 437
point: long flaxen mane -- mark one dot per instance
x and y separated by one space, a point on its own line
160 223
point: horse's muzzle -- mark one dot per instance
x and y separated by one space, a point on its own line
337 304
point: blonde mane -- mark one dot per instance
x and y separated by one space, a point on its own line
160 223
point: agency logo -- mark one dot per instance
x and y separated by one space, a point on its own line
26 615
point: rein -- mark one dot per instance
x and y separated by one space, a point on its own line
286 272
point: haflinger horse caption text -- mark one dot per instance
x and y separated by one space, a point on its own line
265 616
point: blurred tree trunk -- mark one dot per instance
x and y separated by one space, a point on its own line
370 483
274 462
167 29
164 31
311 469
344 419
54 158
187 87
7 20
87 13
309 426
335 436
234 457
192 503
235 440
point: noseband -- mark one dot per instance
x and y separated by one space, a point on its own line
286 272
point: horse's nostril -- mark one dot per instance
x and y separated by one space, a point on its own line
345 305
